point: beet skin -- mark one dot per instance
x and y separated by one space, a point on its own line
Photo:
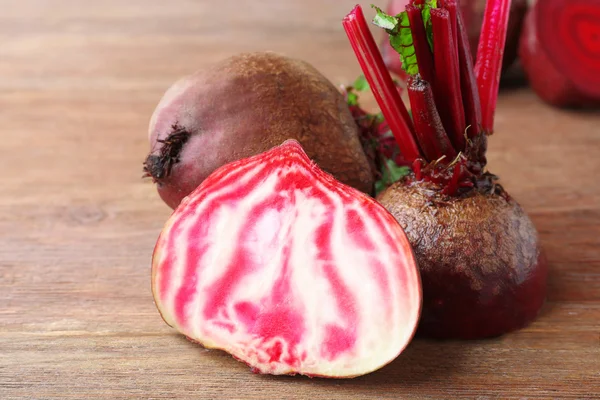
481 265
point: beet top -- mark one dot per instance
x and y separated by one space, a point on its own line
482 268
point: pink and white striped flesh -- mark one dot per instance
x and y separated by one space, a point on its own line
290 271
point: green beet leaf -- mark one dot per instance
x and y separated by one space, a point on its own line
391 173
361 84
400 34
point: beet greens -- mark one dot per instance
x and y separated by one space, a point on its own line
452 101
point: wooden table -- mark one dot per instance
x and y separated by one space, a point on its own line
78 82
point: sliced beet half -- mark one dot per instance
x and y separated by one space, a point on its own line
290 271
560 51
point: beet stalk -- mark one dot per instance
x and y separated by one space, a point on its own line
489 58
448 96
422 50
468 83
472 12
287 269
380 80
452 8
428 125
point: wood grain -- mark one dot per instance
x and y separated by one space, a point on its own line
78 82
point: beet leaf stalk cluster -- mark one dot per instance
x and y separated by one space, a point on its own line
452 100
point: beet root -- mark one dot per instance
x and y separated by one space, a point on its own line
560 49
482 269
287 269
244 106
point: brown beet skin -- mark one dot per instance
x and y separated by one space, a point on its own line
481 265
248 104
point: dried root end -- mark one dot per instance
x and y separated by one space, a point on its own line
158 166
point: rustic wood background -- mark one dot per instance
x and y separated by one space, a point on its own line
78 82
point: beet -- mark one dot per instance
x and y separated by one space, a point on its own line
472 11
559 50
483 270
243 106
480 261
290 271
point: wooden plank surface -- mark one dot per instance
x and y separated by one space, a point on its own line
78 82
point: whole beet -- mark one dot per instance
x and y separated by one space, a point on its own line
481 265
243 106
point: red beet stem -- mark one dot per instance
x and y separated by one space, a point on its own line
430 132
447 83
450 5
422 50
382 86
416 167
468 83
452 186
489 57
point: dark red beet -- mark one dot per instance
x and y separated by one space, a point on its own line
483 271
560 51
287 269
481 265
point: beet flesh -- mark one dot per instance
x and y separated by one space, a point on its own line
290 271
560 49
482 268
244 106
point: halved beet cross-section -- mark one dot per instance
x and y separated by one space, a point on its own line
288 270
560 51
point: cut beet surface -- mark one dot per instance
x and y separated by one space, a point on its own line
560 51
288 270
242 106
